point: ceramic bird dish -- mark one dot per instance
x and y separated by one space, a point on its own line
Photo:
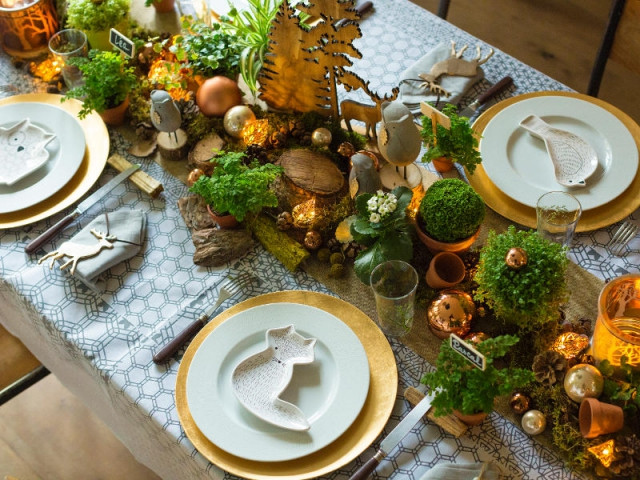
574 160
22 150
259 380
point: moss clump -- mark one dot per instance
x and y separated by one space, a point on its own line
336 271
451 210
336 258
324 255
528 297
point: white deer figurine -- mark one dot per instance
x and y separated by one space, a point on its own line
78 251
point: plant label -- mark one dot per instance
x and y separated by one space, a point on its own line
467 351
436 116
122 43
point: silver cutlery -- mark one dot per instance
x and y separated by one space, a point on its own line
227 291
473 107
622 237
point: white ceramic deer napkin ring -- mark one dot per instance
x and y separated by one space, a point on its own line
109 239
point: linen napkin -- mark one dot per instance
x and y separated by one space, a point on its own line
470 471
412 95
123 229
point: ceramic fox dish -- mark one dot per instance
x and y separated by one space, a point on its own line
259 379
22 150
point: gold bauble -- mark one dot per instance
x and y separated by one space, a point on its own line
519 402
193 176
321 137
583 380
516 258
236 118
451 312
312 240
534 422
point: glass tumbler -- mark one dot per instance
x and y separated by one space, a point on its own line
67 44
557 215
394 286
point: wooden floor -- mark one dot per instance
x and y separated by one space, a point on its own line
48 434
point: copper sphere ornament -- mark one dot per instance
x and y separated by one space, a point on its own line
236 118
582 381
451 312
312 240
476 337
516 258
193 176
519 402
321 137
534 422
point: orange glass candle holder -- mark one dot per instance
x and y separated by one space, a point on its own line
26 26
617 330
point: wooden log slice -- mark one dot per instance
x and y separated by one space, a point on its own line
201 154
173 146
312 171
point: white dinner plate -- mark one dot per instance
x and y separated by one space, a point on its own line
66 152
330 391
518 163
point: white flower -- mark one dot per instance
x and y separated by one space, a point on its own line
374 218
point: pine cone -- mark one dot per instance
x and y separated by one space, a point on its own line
627 456
334 245
548 367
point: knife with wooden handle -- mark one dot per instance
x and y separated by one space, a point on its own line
498 87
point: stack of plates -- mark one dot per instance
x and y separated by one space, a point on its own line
516 169
347 393
73 166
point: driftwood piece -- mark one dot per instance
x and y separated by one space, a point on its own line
194 212
173 146
140 179
215 247
203 151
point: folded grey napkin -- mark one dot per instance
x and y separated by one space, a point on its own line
470 471
108 240
411 94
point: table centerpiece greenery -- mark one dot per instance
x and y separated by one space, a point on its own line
96 17
383 227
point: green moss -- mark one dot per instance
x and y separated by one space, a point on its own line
451 210
324 254
278 243
336 258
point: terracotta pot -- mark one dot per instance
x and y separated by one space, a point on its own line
436 246
164 6
598 418
115 116
442 164
473 419
445 270
223 221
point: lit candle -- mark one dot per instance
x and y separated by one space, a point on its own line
604 452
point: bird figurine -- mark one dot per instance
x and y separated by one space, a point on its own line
399 140
165 114
363 177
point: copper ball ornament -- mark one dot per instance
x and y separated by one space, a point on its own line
451 312
519 402
312 240
476 337
321 137
218 94
516 258
193 176
236 118
582 381
534 422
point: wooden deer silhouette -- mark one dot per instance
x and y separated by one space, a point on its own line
454 65
78 251
369 114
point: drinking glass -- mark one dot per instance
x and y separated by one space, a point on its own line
394 286
557 216
67 44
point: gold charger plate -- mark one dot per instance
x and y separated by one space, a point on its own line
357 438
593 219
95 158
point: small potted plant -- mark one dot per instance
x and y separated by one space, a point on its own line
455 144
237 188
467 391
107 82
449 216
530 295
382 226
97 17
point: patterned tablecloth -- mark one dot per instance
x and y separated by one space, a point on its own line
99 339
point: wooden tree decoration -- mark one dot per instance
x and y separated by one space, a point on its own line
302 67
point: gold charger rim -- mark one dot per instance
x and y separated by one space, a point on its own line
95 158
615 210
357 438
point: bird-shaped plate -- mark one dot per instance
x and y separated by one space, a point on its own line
22 150
574 160
259 379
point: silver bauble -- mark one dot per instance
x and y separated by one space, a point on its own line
321 137
534 422
236 118
582 381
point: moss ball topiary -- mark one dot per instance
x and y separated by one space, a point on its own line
337 270
337 257
451 210
324 254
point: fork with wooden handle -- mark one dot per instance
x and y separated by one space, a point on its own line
231 288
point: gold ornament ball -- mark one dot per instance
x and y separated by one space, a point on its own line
534 422
583 380
451 312
236 118
312 240
194 175
321 137
519 402
516 258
